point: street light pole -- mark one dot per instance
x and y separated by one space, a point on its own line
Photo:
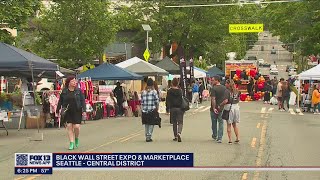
147 28
148 40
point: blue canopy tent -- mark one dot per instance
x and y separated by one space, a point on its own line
214 71
109 71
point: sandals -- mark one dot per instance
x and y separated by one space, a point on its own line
237 141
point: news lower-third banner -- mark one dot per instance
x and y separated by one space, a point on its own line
45 163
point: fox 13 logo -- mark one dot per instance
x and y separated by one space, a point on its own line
33 159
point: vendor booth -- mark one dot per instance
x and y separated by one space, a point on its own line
313 76
18 63
104 72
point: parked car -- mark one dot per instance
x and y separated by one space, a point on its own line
261 62
252 58
274 71
273 51
265 35
292 72
288 68
273 66
266 65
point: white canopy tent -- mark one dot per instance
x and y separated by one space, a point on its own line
311 74
198 73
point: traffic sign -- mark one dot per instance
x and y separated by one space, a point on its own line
245 28
146 55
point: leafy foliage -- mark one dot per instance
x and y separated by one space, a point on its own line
197 31
14 14
74 31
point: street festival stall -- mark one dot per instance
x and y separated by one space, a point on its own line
245 74
105 72
15 62
145 69
313 76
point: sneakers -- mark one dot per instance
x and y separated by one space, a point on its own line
219 141
179 137
149 140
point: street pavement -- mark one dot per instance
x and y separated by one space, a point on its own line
268 138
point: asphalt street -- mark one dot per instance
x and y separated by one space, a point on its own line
268 138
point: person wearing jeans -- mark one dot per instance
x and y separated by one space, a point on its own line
217 132
149 104
218 100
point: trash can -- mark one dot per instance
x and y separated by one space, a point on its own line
262 48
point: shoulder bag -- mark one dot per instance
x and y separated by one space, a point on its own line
226 113
185 104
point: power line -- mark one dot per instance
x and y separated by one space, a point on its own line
232 4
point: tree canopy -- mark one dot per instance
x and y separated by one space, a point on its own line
74 31
15 14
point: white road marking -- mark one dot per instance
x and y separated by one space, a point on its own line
205 109
199 108
263 110
270 109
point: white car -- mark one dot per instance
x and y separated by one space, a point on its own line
274 71
260 61
273 66
265 35
292 72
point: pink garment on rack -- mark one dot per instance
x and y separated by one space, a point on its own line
82 86
90 95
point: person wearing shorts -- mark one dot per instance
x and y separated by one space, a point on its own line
234 110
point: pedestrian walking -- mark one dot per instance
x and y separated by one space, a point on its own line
218 100
316 99
195 94
232 109
174 98
279 94
201 89
149 103
285 95
72 102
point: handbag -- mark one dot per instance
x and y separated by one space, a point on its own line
226 113
185 104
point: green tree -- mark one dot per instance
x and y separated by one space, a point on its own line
297 24
74 31
198 31
15 14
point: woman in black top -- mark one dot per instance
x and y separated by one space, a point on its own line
174 100
72 98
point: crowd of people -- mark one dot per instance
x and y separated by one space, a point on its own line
224 107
